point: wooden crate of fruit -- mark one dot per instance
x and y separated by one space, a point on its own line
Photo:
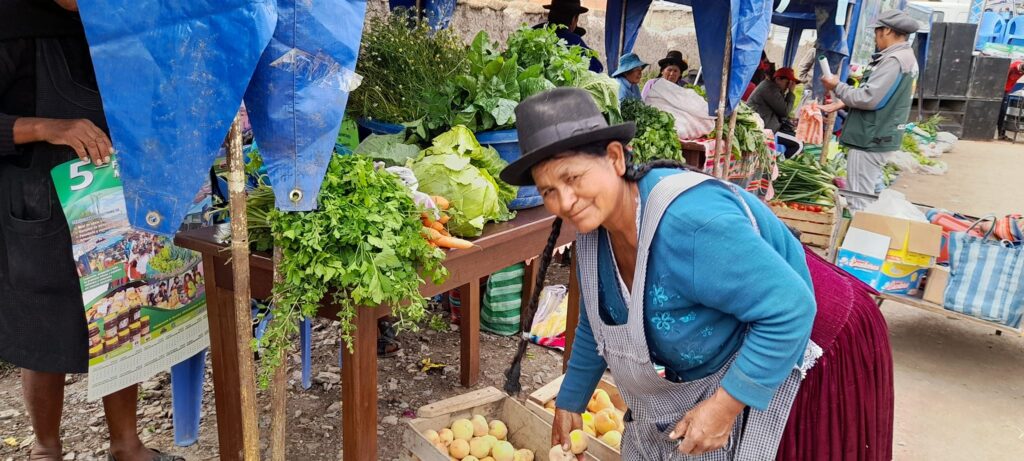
817 225
485 422
604 415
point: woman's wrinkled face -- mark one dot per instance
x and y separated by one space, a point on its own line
634 76
671 73
581 188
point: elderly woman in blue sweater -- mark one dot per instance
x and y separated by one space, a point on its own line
677 269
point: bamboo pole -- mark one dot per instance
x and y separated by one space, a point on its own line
722 98
243 314
279 390
727 151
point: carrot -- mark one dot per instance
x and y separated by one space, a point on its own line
452 242
426 220
444 219
437 226
441 202
431 234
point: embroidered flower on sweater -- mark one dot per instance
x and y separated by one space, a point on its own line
706 332
663 321
689 317
658 296
692 358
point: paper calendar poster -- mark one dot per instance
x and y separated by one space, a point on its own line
145 300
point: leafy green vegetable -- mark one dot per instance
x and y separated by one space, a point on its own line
404 63
461 141
803 179
605 91
656 136
562 64
697 89
362 247
389 148
749 134
931 125
457 168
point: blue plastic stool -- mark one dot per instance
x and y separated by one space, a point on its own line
187 383
187 398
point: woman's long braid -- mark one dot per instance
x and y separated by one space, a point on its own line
512 375
634 171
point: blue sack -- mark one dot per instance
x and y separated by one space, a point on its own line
986 277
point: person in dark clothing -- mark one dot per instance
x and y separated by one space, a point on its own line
1015 73
772 100
567 13
50 113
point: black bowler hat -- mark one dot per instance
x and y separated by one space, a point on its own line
555 121
673 58
567 5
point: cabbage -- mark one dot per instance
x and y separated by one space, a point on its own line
459 169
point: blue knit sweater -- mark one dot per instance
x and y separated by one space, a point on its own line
714 286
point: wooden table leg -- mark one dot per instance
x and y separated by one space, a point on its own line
359 390
224 355
572 317
469 328
529 281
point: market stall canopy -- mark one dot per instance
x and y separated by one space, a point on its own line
172 76
752 17
711 18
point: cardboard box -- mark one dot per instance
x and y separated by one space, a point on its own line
935 291
868 256
910 242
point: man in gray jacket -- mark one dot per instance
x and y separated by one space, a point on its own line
879 107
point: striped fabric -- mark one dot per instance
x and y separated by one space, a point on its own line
986 279
499 313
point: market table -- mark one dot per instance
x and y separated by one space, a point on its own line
500 246
937 309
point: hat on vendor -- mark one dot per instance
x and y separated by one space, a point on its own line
567 5
628 62
673 58
898 21
786 73
555 121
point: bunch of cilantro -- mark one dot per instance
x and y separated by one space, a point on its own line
361 247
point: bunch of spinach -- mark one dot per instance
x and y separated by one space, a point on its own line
656 136
562 64
362 247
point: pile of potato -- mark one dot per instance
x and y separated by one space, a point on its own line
477 440
601 420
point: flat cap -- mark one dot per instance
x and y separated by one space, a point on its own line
898 21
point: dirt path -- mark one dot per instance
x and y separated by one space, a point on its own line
983 177
959 386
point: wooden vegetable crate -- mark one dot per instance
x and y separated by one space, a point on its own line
525 428
817 229
595 446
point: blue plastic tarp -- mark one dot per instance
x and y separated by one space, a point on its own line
173 75
437 12
299 91
711 18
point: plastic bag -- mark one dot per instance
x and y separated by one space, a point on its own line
945 141
689 108
895 204
548 327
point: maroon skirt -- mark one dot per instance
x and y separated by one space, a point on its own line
844 409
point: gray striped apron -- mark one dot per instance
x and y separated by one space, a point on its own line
657 404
